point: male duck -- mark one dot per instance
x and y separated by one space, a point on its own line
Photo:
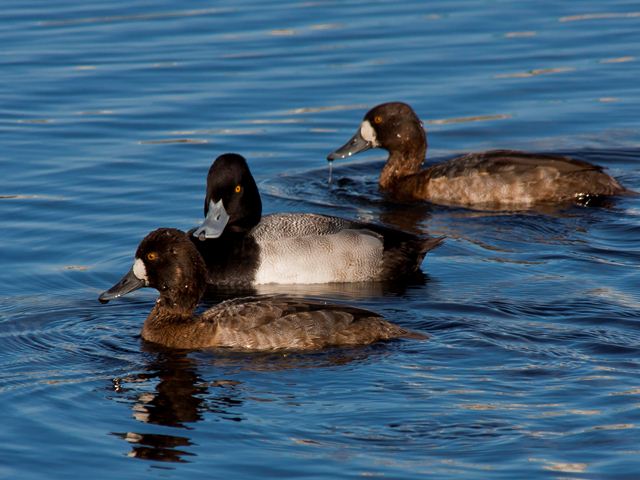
493 179
168 261
242 248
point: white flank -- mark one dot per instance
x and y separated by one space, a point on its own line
346 256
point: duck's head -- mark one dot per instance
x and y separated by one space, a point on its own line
166 260
394 127
232 202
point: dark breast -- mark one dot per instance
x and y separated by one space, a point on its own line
232 259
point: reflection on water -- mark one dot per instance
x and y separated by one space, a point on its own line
337 291
175 400
172 393
159 448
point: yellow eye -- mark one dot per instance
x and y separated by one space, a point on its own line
238 188
377 119
152 256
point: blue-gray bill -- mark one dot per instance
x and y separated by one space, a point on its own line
214 223
355 145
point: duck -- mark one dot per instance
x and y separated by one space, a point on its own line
495 179
242 248
168 261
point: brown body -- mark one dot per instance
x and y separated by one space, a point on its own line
504 179
271 323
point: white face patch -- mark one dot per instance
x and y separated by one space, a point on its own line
368 133
140 271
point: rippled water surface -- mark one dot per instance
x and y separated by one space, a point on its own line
111 113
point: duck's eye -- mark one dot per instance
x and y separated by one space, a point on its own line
377 119
151 256
238 189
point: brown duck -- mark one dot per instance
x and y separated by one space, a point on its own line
492 179
168 261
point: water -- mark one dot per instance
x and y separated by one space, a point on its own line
111 115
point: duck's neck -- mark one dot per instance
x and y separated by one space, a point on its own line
177 303
401 163
171 320
244 225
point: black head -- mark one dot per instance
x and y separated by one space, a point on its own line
393 126
230 180
166 260
232 189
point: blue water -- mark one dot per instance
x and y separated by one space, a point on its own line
110 115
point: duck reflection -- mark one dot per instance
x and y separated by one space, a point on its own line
332 292
410 217
172 393
180 398
160 448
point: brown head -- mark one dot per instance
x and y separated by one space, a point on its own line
394 127
166 260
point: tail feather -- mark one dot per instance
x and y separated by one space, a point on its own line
413 335
405 258
430 244
387 330
426 246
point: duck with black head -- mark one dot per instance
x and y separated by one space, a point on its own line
242 248
168 261
496 179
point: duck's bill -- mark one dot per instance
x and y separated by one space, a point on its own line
357 144
214 223
127 284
